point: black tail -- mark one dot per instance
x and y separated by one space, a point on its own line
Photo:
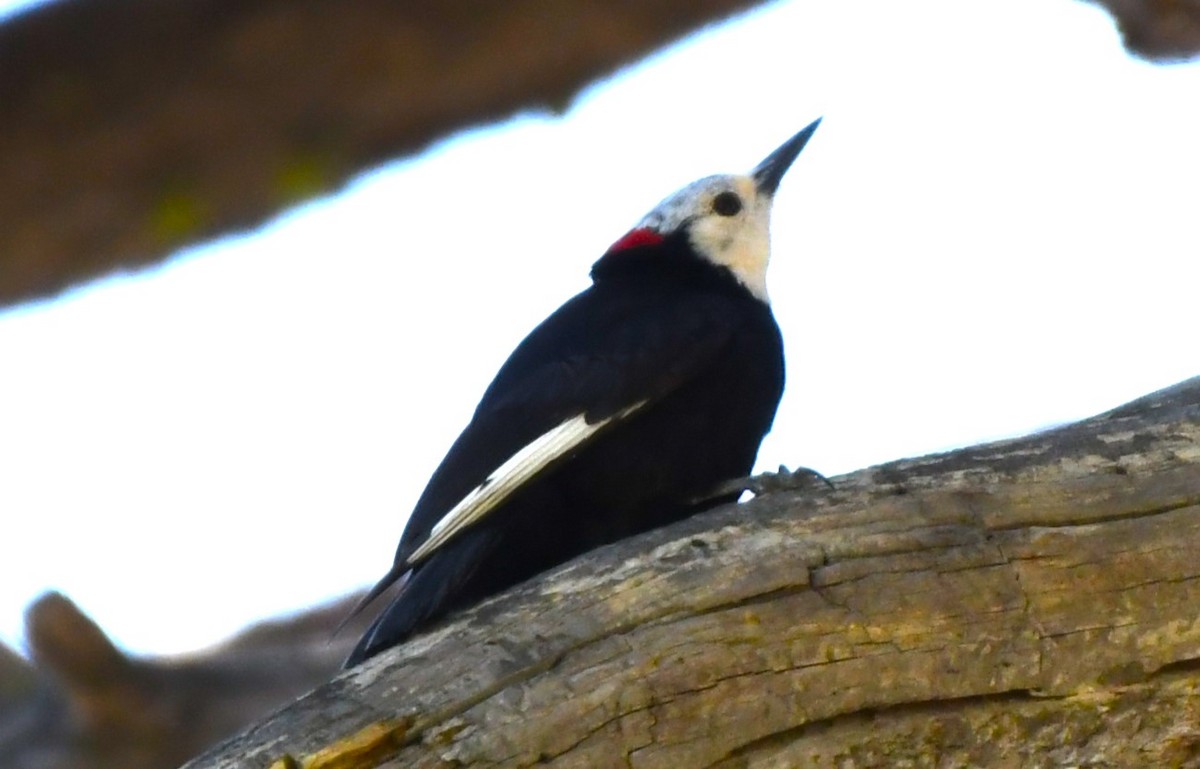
382 585
432 590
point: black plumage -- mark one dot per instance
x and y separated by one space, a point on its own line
680 354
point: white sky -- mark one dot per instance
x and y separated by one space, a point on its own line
995 229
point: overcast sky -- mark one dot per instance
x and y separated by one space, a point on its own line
995 229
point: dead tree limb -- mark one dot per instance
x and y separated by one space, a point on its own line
1032 602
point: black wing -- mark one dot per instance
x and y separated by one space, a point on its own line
604 351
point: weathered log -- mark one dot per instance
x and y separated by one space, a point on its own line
1031 602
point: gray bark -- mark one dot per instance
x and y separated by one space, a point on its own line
1032 602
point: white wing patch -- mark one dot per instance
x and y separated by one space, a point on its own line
512 475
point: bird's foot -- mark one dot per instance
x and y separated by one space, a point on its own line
768 482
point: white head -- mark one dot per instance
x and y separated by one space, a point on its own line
728 218
728 223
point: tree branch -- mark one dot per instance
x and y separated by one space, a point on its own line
1031 598
133 127
1162 31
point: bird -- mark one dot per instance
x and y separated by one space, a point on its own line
621 412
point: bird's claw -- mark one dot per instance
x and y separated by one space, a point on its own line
784 480
765 483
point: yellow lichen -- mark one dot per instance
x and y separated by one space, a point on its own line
303 177
368 747
177 217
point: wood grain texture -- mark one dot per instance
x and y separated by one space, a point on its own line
1033 602
133 127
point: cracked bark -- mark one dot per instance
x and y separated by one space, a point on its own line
1032 602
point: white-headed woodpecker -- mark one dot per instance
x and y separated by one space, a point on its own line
630 402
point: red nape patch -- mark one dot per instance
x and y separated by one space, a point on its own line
641 236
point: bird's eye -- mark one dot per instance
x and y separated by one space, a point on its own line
727 204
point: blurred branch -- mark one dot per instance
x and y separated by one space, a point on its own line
17 678
133 127
1161 30
87 705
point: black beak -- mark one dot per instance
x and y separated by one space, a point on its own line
770 172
